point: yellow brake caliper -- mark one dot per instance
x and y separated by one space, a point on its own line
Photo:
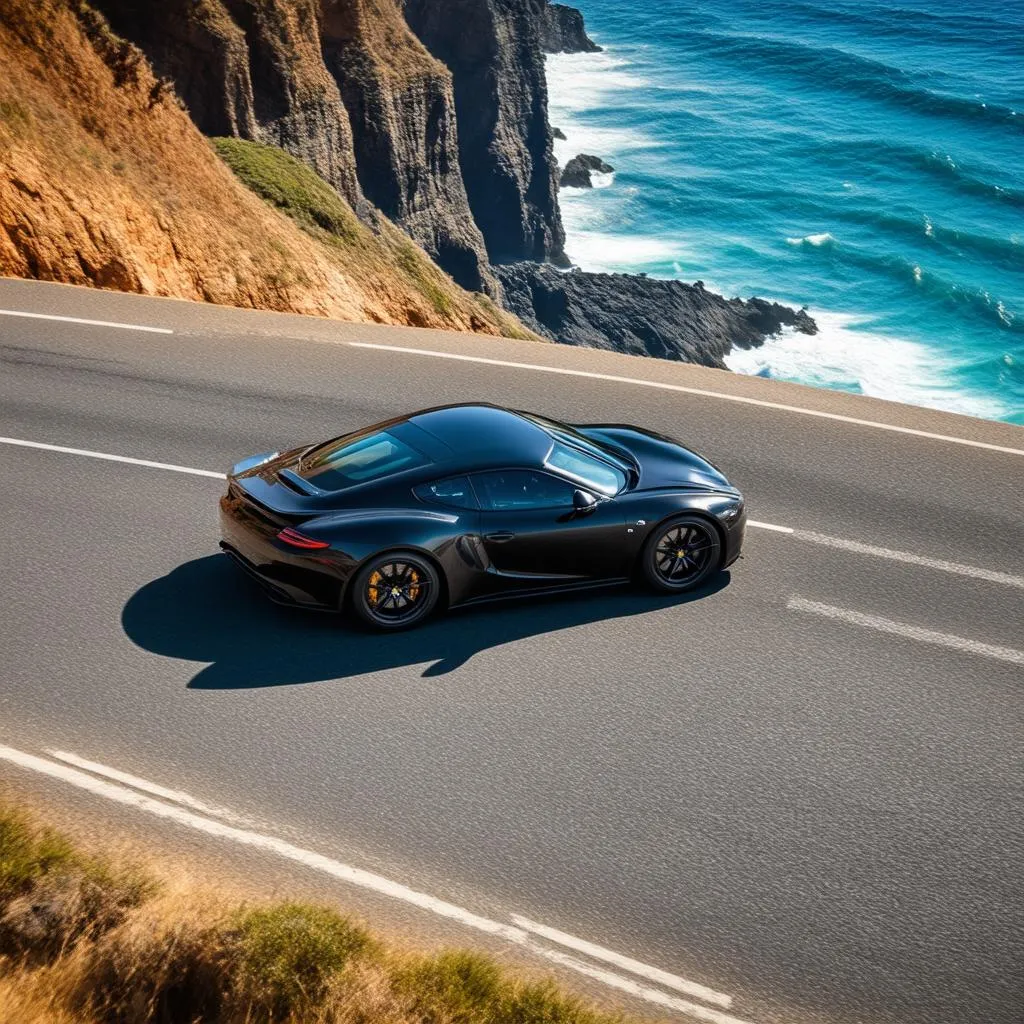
414 590
372 591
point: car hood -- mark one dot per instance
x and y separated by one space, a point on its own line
662 462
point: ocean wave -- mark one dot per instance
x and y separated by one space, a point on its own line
846 356
971 300
834 68
582 81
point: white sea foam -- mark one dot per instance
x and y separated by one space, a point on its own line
845 355
824 238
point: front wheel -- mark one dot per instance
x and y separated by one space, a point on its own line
395 591
681 554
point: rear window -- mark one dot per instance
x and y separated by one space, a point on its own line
370 458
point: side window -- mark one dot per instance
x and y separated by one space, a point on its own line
521 488
456 490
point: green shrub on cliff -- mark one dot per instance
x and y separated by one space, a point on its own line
290 185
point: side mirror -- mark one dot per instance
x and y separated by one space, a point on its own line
583 502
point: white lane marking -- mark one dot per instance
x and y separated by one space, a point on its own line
904 629
769 526
112 458
703 392
174 796
354 876
989 575
655 974
79 320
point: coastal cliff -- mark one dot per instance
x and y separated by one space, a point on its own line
105 181
342 85
493 50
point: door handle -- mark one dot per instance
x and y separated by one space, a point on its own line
499 538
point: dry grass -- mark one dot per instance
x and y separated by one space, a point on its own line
105 181
139 946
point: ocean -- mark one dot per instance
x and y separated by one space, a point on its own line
863 159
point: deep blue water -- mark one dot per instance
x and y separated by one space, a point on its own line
865 159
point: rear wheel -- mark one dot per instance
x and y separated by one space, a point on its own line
395 591
681 554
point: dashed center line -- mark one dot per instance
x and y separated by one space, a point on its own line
905 629
80 320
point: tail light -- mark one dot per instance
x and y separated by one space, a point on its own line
299 540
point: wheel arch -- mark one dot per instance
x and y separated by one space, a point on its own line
679 514
344 601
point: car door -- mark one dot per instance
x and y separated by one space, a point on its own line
533 535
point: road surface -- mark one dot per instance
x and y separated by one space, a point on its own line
801 788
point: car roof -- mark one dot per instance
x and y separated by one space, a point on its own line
479 436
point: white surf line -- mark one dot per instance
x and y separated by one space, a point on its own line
112 458
355 876
904 629
79 320
989 575
174 796
703 392
660 977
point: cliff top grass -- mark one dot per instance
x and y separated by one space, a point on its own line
96 940
290 185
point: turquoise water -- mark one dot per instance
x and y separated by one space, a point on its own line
863 159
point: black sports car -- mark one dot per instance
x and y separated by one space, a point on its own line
470 503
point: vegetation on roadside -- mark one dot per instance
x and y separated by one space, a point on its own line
99 940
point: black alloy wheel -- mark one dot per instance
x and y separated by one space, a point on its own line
395 591
681 554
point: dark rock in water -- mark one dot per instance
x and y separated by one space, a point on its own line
578 170
562 31
492 48
557 133
642 315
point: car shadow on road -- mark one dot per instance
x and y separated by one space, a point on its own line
207 611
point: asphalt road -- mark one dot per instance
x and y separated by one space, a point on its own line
802 787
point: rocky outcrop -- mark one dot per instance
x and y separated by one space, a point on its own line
401 108
251 69
492 48
578 171
562 31
642 315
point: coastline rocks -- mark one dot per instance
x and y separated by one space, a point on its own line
578 170
562 31
557 133
492 48
642 315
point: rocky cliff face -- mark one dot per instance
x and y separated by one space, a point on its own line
251 69
401 107
641 315
562 31
492 48
341 84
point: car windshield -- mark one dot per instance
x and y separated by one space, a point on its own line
342 464
592 473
